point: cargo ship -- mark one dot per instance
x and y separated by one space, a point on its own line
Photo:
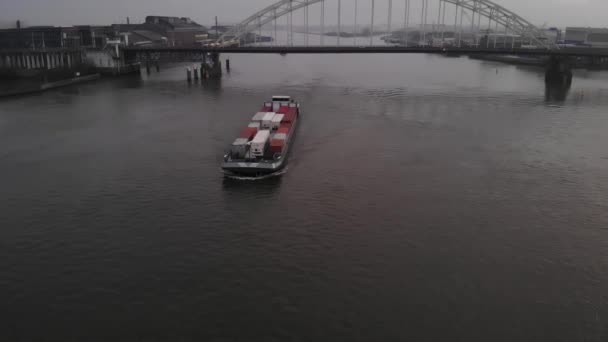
263 146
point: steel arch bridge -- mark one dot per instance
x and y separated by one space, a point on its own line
496 15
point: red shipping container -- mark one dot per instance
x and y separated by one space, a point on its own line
266 109
283 110
276 145
284 129
248 133
290 115
292 111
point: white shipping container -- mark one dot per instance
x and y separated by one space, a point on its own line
240 141
276 121
267 120
258 116
258 144
280 136
254 125
239 148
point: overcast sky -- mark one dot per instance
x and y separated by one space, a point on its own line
75 12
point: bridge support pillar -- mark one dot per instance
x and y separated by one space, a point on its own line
558 79
558 72
203 70
216 68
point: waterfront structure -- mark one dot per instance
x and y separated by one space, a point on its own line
589 36
178 31
28 51
554 35
35 37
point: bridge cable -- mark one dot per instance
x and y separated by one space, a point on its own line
322 21
422 33
371 31
473 22
460 29
306 21
275 28
406 22
356 29
489 28
438 19
455 21
390 16
339 20
443 25
496 33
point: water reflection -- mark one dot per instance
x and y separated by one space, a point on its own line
131 82
557 92
214 86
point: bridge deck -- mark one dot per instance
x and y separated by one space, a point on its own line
572 52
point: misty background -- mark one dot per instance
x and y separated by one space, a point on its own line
559 13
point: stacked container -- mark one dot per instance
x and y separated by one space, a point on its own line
277 143
289 118
258 144
248 133
276 121
267 121
284 129
239 148
258 117
290 114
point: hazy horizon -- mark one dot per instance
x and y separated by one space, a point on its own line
80 12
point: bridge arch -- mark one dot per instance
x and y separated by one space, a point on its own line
495 13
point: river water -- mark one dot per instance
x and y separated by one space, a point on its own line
427 199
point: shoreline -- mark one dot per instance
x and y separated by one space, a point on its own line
50 85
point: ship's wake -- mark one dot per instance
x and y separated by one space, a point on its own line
255 178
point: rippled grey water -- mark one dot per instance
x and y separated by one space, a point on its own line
427 199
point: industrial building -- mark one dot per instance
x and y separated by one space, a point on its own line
178 31
587 36
37 37
156 30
